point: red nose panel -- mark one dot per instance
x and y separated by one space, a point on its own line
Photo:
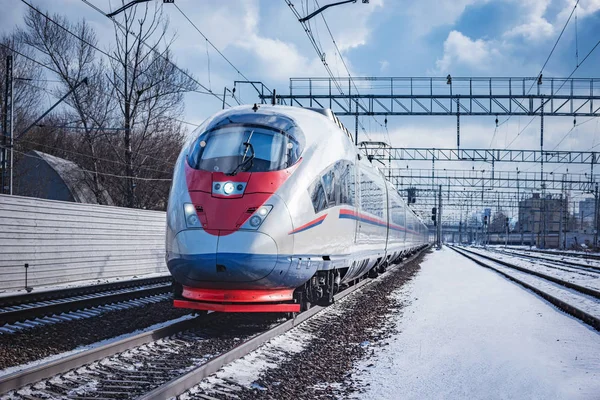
221 215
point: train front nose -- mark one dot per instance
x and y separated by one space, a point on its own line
205 260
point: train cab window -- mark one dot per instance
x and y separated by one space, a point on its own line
247 143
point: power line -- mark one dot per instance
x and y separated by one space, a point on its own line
58 73
539 75
211 43
554 47
156 52
102 173
348 72
321 55
93 157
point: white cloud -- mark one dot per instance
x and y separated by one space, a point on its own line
384 65
584 8
533 25
276 45
426 15
460 50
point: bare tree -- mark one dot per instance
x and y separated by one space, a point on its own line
29 82
74 59
149 89
123 127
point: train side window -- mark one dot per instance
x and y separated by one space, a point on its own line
346 183
317 195
329 186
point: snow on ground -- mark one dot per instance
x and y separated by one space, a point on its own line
589 279
470 333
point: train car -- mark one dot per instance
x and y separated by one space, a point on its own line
273 208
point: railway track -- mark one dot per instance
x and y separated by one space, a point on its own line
160 363
26 311
563 261
550 263
584 256
579 301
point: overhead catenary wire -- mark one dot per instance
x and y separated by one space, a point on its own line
58 73
94 157
321 55
539 75
156 52
212 44
103 173
349 74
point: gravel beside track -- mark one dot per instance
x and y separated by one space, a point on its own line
37 343
322 370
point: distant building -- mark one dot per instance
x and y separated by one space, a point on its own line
538 215
44 176
586 213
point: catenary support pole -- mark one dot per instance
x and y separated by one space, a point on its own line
7 128
439 222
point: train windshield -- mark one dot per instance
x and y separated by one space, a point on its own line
244 147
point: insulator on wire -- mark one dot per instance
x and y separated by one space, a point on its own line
574 121
496 121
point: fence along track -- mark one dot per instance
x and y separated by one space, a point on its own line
66 242
162 384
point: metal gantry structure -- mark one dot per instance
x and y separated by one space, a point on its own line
464 191
488 179
480 155
405 96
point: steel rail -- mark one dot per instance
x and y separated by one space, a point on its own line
47 370
185 382
564 306
54 294
36 373
568 263
561 253
35 310
567 284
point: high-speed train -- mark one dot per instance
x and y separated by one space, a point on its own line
273 208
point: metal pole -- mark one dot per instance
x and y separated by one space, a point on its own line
356 126
596 216
439 216
560 224
458 123
12 129
5 130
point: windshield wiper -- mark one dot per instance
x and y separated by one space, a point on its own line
246 162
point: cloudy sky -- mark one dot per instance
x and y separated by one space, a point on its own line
263 39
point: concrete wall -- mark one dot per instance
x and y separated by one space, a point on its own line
68 242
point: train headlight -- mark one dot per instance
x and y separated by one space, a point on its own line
191 217
258 217
263 211
255 221
228 188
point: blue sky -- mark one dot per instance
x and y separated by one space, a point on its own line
384 38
